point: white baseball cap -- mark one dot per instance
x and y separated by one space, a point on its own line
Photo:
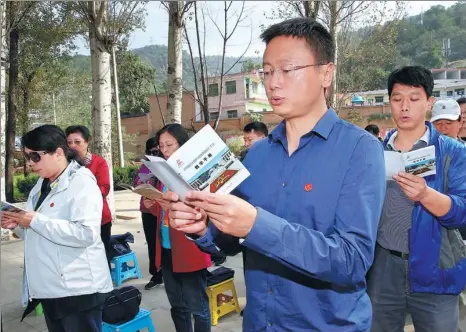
446 109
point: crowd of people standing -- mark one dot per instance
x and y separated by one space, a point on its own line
329 243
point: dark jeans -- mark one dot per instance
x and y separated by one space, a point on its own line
89 321
391 297
149 223
187 295
105 233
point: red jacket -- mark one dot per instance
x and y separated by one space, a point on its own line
186 256
98 166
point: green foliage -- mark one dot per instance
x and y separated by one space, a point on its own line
124 175
254 116
135 80
235 144
23 185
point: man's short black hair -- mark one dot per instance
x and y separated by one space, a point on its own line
416 76
78 129
319 39
373 129
257 127
461 100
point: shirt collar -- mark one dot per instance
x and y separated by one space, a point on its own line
322 129
88 158
425 138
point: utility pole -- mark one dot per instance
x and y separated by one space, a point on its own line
117 102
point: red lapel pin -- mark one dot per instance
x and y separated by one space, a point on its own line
308 187
52 204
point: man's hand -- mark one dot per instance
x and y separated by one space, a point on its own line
19 218
185 218
230 214
8 223
413 186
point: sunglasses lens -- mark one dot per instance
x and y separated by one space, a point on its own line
34 156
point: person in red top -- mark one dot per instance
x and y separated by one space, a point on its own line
184 266
78 139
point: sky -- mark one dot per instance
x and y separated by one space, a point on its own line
256 13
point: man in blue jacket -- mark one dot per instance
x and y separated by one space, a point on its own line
419 265
308 214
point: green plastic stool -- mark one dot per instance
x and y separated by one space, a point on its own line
39 310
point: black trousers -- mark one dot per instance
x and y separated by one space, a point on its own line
105 233
149 223
89 321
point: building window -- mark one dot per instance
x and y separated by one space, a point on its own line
379 99
254 87
459 92
436 94
213 89
449 93
231 87
213 116
233 114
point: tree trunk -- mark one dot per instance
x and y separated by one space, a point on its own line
311 9
11 115
101 97
203 71
175 62
334 11
25 120
2 98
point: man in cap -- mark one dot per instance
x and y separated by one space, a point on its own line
446 117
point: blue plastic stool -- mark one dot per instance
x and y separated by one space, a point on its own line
122 271
142 320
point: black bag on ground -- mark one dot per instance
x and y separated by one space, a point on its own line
219 275
122 305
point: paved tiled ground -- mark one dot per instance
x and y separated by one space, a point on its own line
154 300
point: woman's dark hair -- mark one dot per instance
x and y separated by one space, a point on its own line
48 138
83 130
176 130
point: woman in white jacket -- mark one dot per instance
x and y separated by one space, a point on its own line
65 263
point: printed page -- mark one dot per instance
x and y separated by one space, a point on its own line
393 164
5 206
162 170
420 162
207 164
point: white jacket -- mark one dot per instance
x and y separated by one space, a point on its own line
63 252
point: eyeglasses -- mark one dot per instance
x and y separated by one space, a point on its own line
286 71
34 156
167 145
76 142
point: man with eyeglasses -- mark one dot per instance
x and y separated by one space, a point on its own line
308 219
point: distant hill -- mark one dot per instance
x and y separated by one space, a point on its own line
419 41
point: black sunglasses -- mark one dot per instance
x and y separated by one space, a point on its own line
153 152
34 156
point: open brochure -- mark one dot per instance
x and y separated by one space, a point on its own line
204 163
419 162
145 190
5 206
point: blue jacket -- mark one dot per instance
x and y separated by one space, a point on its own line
434 266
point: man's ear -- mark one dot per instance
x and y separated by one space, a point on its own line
328 74
60 152
430 102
